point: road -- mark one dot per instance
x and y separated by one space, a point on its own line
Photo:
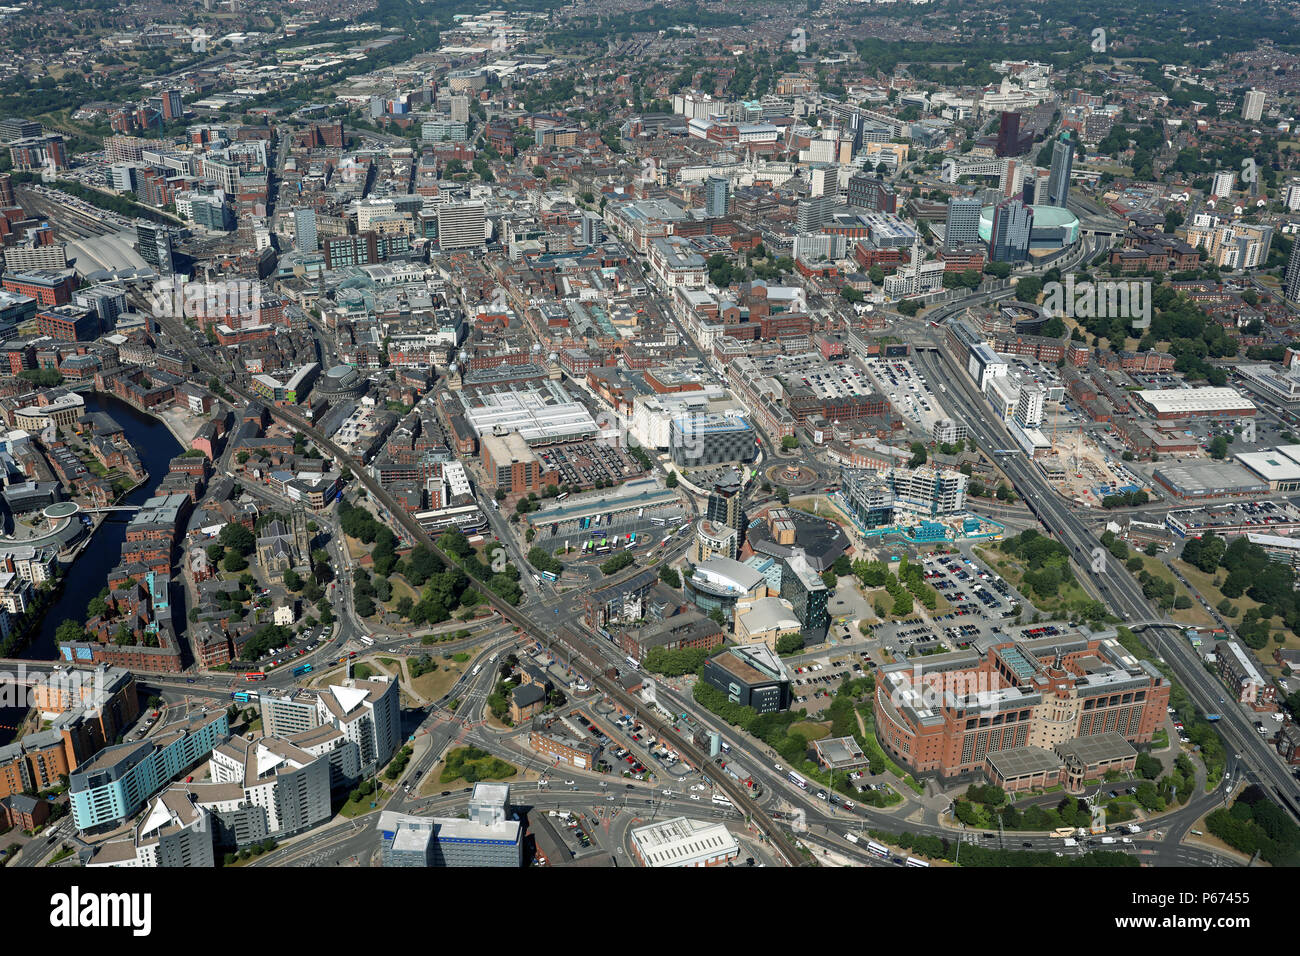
1111 581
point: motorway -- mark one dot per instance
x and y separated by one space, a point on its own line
1112 582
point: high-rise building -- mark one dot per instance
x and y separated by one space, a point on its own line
726 505
813 212
488 838
1291 278
1252 107
808 595
1013 222
154 243
462 225
591 231
871 192
173 107
1058 182
1029 406
1010 140
1222 184
304 230
715 197
963 221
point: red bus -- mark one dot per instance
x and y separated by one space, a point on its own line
255 675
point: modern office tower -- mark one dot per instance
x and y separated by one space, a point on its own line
1013 222
172 105
813 212
1252 107
154 243
1010 140
808 595
304 230
963 222
1058 182
871 192
1291 279
725 504
462 225
715 197
591 229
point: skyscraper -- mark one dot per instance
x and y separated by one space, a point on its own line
725 501
1058 183
154 243
1222 184
715 197
1252 107
963 221
1010 141
813 212
871 192
304 230
1009 239
1291 278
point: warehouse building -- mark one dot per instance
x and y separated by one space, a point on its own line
1209 479
1174 403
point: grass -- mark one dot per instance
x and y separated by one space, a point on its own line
484 767
1010 568
1194 616
350 809
811 731
362 671
433 685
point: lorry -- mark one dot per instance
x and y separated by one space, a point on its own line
1071 842
851 837
1107 839
1133 828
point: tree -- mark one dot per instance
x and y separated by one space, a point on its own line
670 577
671 481
790 442
237 537
234 561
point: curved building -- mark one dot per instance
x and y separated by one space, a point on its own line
722 583
341 383
1053 227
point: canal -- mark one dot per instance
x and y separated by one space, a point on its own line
156 447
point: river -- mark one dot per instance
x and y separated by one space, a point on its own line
156 446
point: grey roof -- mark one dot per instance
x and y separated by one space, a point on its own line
1010 764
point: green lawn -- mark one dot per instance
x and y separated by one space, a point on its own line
811 731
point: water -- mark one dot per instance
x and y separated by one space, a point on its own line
156 447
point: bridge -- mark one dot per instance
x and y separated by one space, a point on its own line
108 508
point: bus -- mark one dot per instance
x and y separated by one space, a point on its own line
368 641
663 542
875 849
657 520
597 533
632 663
720 801
255 675
582 525
561 496
797 780
913 861
550 576
242 696
301 669
682 528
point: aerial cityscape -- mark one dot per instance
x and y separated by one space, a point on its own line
648 434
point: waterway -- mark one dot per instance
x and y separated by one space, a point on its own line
156 446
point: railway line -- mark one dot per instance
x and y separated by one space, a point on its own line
537 630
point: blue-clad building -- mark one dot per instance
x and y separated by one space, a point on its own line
115 784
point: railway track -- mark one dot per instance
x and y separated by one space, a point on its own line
537 630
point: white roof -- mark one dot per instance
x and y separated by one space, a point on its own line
683 842
1191 400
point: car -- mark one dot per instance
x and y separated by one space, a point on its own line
630 787
695 796
568 783
1027 845
445 793
190 680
